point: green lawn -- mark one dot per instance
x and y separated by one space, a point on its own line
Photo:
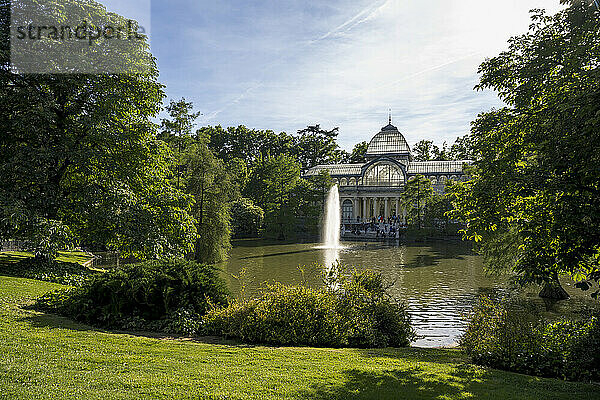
79 257
48 357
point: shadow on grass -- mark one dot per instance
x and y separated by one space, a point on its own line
53 321
412 383
450 377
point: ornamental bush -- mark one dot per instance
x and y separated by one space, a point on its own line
351 311
505 334
168 296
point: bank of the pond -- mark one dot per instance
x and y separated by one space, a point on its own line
439 280
48 357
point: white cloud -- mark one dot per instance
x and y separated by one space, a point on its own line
419 58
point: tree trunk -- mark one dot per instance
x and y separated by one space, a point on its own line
553 290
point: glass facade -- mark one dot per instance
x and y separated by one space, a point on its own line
389 166
388 141
384 174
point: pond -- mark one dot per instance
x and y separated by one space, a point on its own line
439 281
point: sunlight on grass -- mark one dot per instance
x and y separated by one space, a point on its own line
45 356
79 257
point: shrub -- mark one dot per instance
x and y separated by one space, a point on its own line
165 296
352 311
45 269
506 335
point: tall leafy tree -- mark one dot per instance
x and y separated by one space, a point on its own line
246 218
315 145
423 150
211 184
81 163
177 131
535 191
462 149
270 185
249 145
416 196
359 152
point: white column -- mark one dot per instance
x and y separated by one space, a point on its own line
386 211
376 207
397 209
355 209
364 208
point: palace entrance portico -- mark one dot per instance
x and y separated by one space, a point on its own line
361 208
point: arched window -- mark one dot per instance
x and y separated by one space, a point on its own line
384 174
352 182
347 210
343 182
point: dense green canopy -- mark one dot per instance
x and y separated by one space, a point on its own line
534 200
80 161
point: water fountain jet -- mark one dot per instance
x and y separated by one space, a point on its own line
332 220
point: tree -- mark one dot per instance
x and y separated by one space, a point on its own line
423 150
249 145
417 194
247 218
212 187
177 130
182 119
269 186
359 152
462 149
442 154
314 146
535 188
80 161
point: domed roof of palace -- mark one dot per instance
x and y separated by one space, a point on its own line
388 141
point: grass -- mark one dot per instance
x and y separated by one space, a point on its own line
78 257
49 357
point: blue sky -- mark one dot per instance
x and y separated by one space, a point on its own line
282 65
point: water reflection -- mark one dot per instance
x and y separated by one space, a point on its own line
439 281
330 257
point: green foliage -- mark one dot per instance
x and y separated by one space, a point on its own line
462 149
314 146
417 194
353 311
425 150
359 152
79 158
212 187
270 185
250 145
246 218
508 335
535 181
153 295
205 178
44 269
